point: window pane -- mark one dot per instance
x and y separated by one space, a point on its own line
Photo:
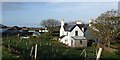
76 33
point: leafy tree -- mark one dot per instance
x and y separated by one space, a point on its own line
50 24
106 27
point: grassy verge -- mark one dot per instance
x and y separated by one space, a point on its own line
47 49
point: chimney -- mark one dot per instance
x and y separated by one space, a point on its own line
62 22
90 23
83 29
62 28
78 22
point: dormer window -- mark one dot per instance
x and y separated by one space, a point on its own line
76 33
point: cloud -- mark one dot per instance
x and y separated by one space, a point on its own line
81 7
11 6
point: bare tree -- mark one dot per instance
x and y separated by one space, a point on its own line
50 24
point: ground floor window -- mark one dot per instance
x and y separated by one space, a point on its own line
65 41
80 42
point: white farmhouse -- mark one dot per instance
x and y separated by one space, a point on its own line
73 34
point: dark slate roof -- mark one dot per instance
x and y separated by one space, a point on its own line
68 27
62 36
79 37
72 26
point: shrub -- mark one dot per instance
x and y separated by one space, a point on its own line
46 36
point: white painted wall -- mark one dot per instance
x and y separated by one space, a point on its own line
80 33
46 30
72 44
65 32
63 39
31 30
43 30
77 43
69 34
62 28
69 39
61 31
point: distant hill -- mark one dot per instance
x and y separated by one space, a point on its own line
2 26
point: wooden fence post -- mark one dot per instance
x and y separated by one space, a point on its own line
85 53
99 54
31 51
35 51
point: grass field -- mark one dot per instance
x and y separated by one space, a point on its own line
16 49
